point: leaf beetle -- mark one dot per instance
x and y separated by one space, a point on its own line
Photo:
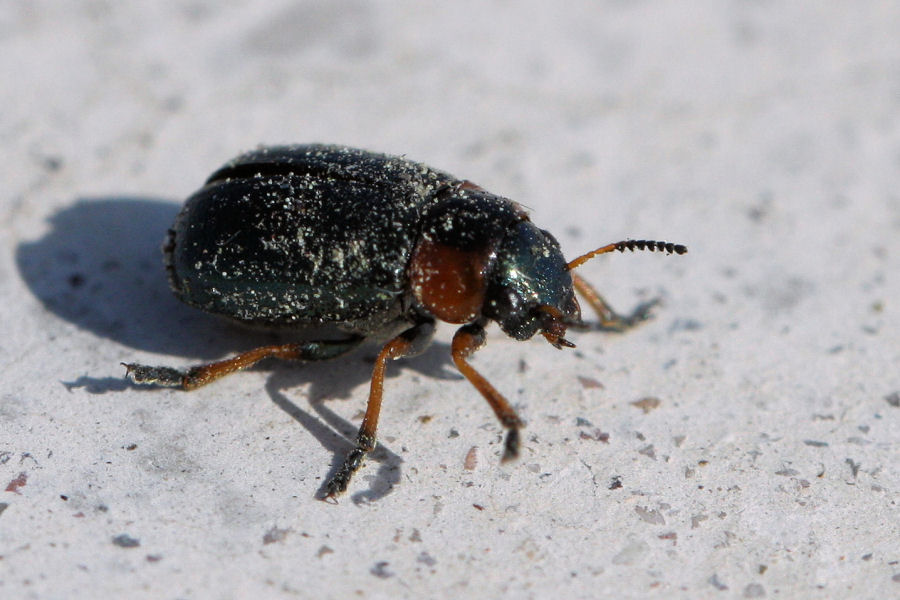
379 247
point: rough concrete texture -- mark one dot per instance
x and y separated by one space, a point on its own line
744 443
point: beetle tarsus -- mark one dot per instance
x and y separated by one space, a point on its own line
338 484
147 375
610 320
511 446
617 323
642 312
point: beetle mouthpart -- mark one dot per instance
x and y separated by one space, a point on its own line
651 245
553 325
558 342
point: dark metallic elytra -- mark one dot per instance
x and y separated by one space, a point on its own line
379 247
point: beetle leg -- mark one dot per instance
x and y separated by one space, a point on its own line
195 377
409 343
466 341
610 319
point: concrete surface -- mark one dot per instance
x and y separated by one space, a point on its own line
742 444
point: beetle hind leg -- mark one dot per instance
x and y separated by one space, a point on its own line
409 343
466 341
609 318
200 375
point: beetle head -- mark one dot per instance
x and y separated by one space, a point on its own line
529 288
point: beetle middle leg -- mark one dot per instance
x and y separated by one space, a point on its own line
409 343
609 318
200 375
466 341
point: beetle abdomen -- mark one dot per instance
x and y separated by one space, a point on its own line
304 235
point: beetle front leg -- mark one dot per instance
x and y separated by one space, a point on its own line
409 343
200 375
466 341
609 318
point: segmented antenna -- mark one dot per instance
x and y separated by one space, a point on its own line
651 245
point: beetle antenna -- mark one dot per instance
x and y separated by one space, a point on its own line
652 246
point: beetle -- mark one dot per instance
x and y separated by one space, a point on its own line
379 247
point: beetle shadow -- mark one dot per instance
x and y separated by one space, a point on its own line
335 433
99 266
